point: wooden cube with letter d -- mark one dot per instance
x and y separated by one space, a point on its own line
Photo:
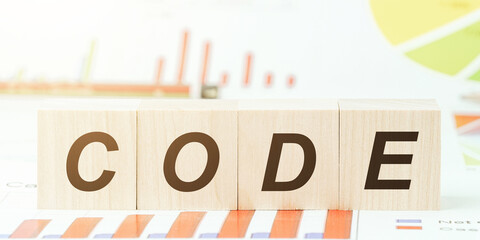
86 154
187 154
288 154
389 154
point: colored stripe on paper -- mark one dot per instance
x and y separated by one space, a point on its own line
81 227
286 224
338 225
409 221
132 226
410 227
236 224
185 225
30 228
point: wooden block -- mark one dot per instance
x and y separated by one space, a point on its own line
187 155
371 131
302 125
86 154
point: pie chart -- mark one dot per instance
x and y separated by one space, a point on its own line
442 35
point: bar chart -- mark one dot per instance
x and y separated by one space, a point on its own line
333 224
85 85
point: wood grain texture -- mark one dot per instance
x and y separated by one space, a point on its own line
258 121
359 122
59 126
160 123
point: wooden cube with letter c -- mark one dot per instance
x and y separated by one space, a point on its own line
187 154
288 154
87 154
389 154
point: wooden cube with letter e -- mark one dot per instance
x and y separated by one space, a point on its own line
389 154
288 154
87 154
187 154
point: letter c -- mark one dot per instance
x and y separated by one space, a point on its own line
74 155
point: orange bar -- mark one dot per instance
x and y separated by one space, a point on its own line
236 224
224 79
286 224
338 225
205 63
119 88
268 79
158 78
138 88
247 69
410 227
132 226
81 227
30 228
185 225
291 81
182 58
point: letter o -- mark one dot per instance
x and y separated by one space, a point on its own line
213 158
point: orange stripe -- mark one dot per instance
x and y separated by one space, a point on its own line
236 224
185 225
224 79
338 225
247 69
138 88
81 227
96 87
410 227
205 63
291 81
268 79
182 58
30 228
286 224
132 226
158 78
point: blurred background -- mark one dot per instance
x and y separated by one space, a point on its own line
241 48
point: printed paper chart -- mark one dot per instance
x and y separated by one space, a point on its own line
443 35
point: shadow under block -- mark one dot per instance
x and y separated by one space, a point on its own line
97 138
175 139
301 125
371 131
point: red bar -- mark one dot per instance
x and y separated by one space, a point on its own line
410 227
158 77
338 225
203 79
185 225
236 224
291 81
117 88
224 79
30 228
268 79
182 58
286 224
81 227
247 69
132 226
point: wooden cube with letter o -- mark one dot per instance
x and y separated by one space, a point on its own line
187 154
86 154
389 154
